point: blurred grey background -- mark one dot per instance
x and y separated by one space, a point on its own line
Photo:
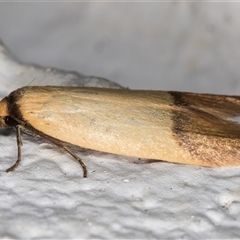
189 46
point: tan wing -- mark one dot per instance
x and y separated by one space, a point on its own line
170 126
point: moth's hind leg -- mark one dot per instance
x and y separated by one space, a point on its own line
84 167
19 145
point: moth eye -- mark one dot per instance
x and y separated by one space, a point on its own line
10 121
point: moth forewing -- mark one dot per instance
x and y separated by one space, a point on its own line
171 126
125 122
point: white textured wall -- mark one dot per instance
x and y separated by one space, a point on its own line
180 46
175 46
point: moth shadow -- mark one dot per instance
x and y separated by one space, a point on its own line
7 132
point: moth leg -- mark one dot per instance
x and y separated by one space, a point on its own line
19 144
84 167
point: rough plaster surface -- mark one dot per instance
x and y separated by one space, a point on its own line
188 46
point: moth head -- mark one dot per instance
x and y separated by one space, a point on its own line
4 113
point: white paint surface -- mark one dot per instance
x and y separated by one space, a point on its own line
176 46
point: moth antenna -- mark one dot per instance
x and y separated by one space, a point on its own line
31 82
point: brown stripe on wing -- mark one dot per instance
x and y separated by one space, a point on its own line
201 127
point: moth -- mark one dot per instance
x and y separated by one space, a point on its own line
187 128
